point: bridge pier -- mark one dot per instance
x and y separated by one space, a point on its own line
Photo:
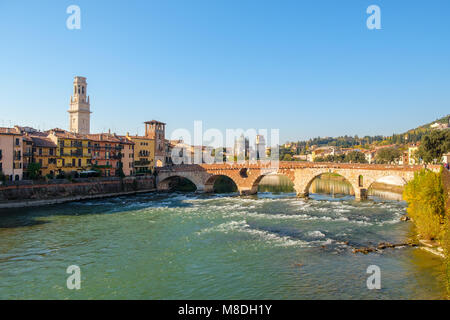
304 195
360 194
248 191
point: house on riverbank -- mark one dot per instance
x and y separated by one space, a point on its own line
11 160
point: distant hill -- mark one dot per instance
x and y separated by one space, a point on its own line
427 126
410 136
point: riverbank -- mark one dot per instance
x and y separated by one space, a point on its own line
31 194
40 203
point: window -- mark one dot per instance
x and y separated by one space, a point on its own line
360 181
17 142
79 162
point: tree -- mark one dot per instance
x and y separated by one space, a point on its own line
388 155
434 145
355 157
33 170
426 203
119 171
287 157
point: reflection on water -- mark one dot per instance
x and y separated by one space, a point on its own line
276 184
334 186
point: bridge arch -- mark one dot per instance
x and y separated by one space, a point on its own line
303 183
170 182
261 177
209 183
395 185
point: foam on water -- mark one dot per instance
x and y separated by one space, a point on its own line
266 236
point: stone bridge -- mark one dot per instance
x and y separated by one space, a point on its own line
247 175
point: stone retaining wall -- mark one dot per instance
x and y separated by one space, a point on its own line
66 189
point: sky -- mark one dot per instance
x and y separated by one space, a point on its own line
307 68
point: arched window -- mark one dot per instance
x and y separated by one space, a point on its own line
82 90
360 181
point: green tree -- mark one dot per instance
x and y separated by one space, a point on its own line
434 145
33 170
426 203
355 157
287 157
388 155
120 172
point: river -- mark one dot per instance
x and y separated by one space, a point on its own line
196 246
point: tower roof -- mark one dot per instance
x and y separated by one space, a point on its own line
154 122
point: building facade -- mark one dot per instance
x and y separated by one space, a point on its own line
11 160
106 153
73 152
144 154
156 131
44 153
127 159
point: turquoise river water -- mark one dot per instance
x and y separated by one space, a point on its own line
194 246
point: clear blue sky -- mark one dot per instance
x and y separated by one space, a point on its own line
309 68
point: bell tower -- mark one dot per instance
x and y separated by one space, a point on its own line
79 111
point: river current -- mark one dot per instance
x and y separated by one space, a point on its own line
196 246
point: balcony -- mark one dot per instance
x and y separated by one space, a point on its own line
76 154
141 163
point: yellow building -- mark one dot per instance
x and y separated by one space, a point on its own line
412 155
44 153
144 154
73 151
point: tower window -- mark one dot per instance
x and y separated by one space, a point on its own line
82 90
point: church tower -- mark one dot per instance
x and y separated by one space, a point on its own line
79 111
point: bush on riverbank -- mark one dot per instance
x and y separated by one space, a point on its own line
426 204
446 245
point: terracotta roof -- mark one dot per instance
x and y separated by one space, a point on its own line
43 142
140 137
60 133
124 140
154 121
9 131
103 137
